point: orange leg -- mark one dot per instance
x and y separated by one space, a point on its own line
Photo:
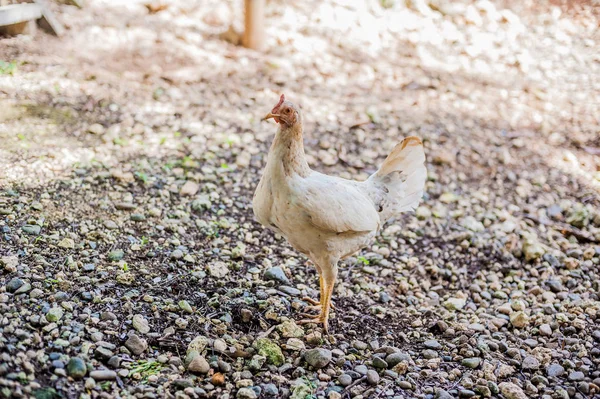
327 284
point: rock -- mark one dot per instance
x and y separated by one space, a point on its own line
14 284
511 391
530 363
67 243
466 393
276 274
318 357
198 344
345 380
471 362
103 353
218 379
102 375
32 229
455 303
201 203
576 376
140 323
432 344
246 393
270 390
533 250
218 269
96 128
189 188
177 254
76 368
270 350
379 363
294 344
442 394
372 377
116 255
423 213
289 329
545 330
54 314
10 263
185 306
136 345
394 358
256 363
555 370
111 225
198 365
470 223
519 319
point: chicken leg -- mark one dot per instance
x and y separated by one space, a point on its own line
316 305
328 277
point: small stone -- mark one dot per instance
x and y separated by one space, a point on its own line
466 393
295 344
218 269
545 330
519 319
276 274
289 329
140 323
111 225
116 255
218 379
511 391
189 188
555 370
270 390
199 365
136 345
379 363
177 254
102 375
201 203
405 384
318 357
96 128
533 250
10 263
198 344
530 363
14 284
54 314
361 369
432 344
67 243
471 362
103 353
32 229
76 368
270 350
256 362
185 306
394 358
345 380
372 377
576 376
246 393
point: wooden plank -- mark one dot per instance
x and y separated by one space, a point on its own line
48 21
17 13
254 32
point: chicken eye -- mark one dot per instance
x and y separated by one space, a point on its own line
288 111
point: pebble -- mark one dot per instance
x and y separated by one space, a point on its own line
318 357
76 368
372 377
140 323
276 274
471 362
555 370
246 393
199 365
345 380
136 345
576 376
102 375
432 344
530 363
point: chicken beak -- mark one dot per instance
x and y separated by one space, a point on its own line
269 116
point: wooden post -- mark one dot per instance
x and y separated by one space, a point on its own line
254 31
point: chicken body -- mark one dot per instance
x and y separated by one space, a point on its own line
329 218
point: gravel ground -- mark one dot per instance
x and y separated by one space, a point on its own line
130 263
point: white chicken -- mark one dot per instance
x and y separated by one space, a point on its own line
328 218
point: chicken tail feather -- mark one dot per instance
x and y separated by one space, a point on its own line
399 183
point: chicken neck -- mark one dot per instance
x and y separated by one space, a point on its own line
287 152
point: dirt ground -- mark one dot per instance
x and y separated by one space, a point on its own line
131 264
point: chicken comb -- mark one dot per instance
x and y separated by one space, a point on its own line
276 108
